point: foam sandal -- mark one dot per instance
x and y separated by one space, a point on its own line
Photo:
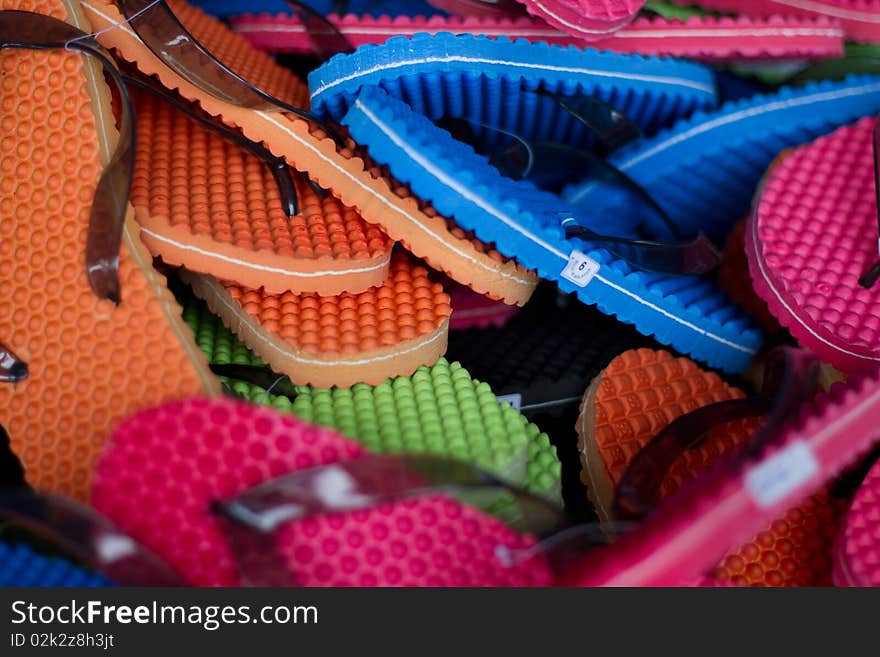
812 237
439 410
230 8
338 340
688 312
587 19
732 148
495 80
860 18
290 132
206 203
855 556
639 395
48 540
201 462
90 362
742 495
471 310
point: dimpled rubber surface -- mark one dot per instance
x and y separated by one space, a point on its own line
856 558
492 81
643 391
439 410
860 18
352 178
813 234
550 351
218 449
732 148
20 566
588 19
91 363
206 203
733 277
701 38
339 340
687 312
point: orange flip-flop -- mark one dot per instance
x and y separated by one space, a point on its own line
350 176
639 394
206 203
90 362
338 341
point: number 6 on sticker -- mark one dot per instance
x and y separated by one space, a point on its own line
580 269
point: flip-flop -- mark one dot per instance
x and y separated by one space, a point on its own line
642 392
687 312
49 540
546 355
439 410
89 362
860 18
22 566
198 459
494 81
732 148
707 39
338 340
206 203
690 531
587 19
855 558
357 183
812 236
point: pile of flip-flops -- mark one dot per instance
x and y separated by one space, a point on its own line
445 293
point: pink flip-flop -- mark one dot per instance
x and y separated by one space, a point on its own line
686 535
587 19
701 38
857 557
811 237
860 18
197 482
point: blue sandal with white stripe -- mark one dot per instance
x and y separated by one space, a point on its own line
731 149
689 313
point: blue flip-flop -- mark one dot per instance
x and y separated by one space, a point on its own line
21 566
225 8
495 81
704 170
690 313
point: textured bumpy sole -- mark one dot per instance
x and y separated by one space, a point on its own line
215 450
20 566
587 19
857 550
438 410
707 38
91 363
813 233
493 81
338 340
207 204
638 395
860 18
357 183
689 313
732 148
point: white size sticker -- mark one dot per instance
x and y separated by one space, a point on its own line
580 269
771 481
514 400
